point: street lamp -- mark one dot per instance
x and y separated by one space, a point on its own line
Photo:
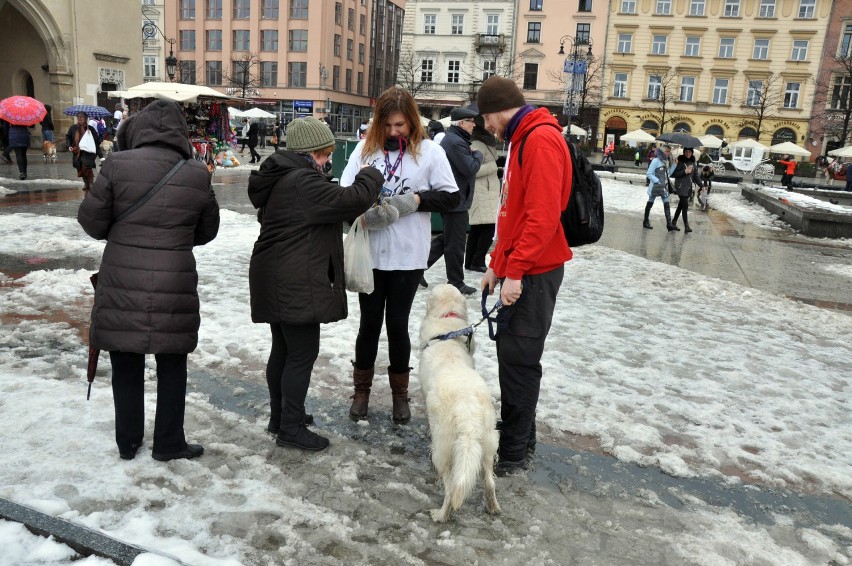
577 66
171 60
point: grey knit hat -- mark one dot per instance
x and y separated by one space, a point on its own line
308 134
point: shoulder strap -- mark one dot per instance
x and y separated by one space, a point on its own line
150 193
524 142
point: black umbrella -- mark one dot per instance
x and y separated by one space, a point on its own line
681 139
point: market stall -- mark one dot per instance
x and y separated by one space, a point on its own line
206 112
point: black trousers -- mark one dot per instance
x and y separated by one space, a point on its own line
255 156
519 350
478 243
682 208
295 348
128 391
450 244
786 180
21 159
391 299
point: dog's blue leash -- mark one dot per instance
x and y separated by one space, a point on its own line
469 330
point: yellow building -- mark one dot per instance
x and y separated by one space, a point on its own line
733 68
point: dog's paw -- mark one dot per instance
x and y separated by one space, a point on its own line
493 509
439 515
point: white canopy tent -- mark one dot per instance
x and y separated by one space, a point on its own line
235 112
842 152
575 131
789 148
710 141
178 92
640 136
257 113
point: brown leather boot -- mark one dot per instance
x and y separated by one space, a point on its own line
399 392
363 379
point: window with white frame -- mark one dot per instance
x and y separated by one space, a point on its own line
841 92
726 48
687 89
658 45
492 24
269 40
846 43
800 50
269 73
655 87
429 23
625 43
696 7
530 76
628 6
584 31
807 9
149 66
791 95
536 5
241 40
767 9
619 85
213 39
533 32
489 69
187 39
453 71
427 70
214 73
664 7
584 6
297 74
755 93
693 46
761 49
457 24
732 9
720 91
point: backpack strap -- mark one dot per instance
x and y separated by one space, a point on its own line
524 142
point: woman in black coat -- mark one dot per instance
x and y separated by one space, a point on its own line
146 301
684 175
296 273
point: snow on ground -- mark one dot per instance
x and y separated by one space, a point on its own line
750 386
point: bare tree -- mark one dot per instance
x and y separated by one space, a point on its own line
764 97
835 87
662 94
410 75
244 77
587 86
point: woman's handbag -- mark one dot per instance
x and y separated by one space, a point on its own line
274 140
87 143
357 263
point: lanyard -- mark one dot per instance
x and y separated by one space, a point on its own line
391 170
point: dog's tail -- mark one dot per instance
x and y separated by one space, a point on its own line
467 453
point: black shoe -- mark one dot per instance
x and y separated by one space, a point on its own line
303 439
467 290
687 229
23 176
673 228
423 282
647 224
129 453
191 451
478 268
6 159
505 468
273 428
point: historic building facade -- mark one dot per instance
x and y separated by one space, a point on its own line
733 68
66 52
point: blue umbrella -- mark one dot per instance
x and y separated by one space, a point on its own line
91 111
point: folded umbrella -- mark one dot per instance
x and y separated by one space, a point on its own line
91 111
22 110
94 353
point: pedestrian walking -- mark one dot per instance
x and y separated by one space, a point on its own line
47 125
637 158
19 141
417 181
277 134
83 159
486 199
684 175
261 134
146 300
528 258
609 153
790 169
464 162
296 272
706 186
658 186
252 142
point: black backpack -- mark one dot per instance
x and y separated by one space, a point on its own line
583 218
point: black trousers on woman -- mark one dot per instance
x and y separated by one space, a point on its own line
682 207
478 243
21 159
128 391
295 348
391 299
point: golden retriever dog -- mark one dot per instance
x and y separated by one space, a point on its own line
462 419
48 148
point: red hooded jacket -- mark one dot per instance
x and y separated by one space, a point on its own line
530 239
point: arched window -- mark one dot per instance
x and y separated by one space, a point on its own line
716 131
616 123
650 126
783 135
747 132
682 127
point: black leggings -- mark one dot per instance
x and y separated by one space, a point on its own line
682 207
392 299
478 243
21 158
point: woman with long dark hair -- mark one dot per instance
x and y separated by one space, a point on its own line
417 180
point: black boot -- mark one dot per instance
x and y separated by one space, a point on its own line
647 223
363 380
668 211
301 438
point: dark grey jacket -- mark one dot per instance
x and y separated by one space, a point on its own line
296 271
464 162
147 298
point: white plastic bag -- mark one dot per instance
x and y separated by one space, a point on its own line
357 263
87 143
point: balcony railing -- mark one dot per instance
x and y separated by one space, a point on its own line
489 41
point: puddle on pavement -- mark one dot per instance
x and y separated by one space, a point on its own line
27 198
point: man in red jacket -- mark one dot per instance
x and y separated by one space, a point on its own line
529 256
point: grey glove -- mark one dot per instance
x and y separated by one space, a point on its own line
381 216
405 204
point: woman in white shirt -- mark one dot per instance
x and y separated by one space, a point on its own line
418 181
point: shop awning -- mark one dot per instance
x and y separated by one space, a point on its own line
178 92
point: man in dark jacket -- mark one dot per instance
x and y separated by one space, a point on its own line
464 162
529 257
146 301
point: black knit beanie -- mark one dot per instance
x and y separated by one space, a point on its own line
497 94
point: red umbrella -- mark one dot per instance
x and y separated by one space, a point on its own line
22 110
94 353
